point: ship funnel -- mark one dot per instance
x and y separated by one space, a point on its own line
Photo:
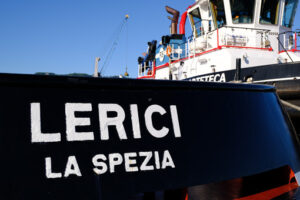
174 20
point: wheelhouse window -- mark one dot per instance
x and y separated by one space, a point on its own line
218 12
196 22
242 11
289 13
269 12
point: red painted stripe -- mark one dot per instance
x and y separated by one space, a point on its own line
292 50
162 66
220 47
270 194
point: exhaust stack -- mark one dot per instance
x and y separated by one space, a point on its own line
174 20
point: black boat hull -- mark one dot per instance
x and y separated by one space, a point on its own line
285 77
87 138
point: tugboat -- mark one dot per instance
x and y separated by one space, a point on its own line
232 41
248 41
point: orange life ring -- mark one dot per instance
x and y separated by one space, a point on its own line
168 51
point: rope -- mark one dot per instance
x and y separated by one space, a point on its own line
105 48
284 49
290 105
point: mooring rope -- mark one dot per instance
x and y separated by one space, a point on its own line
290 105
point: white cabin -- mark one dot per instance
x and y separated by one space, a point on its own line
226 35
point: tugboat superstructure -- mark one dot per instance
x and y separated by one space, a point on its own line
246 41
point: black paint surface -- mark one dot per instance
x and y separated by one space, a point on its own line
228 131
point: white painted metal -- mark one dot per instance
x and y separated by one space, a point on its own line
97 59
216 50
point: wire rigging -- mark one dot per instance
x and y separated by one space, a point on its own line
126 59
108 42
113 47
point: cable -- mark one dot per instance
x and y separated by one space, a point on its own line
126 43
113 47
284 49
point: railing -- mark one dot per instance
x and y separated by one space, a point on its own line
244 37
289 41
225 37
145 70
202 43
238 37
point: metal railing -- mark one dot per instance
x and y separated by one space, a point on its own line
225 37
145 70
289 41
240 37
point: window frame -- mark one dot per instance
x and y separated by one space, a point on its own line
292 19
253 16
279 8
192 21
214 15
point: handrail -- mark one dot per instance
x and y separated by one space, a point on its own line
295 35
237 27
285 32
267 30
219 43
215 40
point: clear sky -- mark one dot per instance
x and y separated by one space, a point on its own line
65 36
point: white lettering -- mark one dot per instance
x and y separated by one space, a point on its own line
132 162
149 124
100 167
72 167
175 121
72 121
167 160
148 156
49 173
106 120
223 78
129 162
135 121
117 121
217 78
36 133
157 163
114 159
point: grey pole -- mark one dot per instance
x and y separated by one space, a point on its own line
96 67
